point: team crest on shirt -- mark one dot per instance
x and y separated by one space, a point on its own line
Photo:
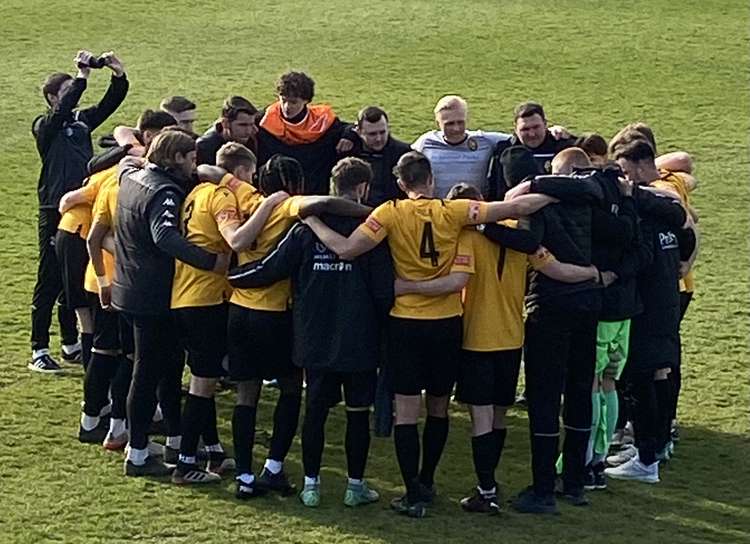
373 224
472 144
320 248
548 166
668 240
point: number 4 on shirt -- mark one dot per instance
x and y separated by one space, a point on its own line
427 246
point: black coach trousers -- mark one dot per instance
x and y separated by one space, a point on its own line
560 357
158 366
48 288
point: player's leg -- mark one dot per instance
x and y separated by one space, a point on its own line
72 257
117 437
275 348
359 394
102 367
323 390
203 330
443 341
152 350
241 370
169 390
546 348
475 388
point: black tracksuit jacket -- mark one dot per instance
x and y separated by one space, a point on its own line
338 306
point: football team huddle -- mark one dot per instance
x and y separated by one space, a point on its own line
286 247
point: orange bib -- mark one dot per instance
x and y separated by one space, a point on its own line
318 120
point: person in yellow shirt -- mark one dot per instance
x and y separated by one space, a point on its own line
424 332
492 331
259 328
211 219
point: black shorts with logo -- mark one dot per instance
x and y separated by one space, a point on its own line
489 377
73 257
259 344
324 387
203 333
424 355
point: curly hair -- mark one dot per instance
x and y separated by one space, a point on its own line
296 85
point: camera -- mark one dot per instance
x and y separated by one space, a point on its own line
94 62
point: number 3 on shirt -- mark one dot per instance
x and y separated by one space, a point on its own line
427 246
186 216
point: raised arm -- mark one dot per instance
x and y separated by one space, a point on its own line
116 92
346 248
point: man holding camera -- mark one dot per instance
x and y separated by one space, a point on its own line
63 139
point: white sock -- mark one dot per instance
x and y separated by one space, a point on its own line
246 478
487 492
137 457
106 410
36 353
354 481
89 423
71 348
117 426
312 481
215 448
174 442
187 460
158 416
272 466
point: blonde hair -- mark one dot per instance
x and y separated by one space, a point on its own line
451 102
568 159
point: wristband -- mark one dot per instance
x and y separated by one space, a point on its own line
102 282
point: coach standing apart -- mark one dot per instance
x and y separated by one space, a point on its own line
63 139
147 242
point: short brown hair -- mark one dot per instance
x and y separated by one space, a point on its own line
527 109
296 85
53 83
176 104
155 120
464 190
572 157
631 132
349 173
371 114
234 105
167 145
413 169
233 154
637 150
593 144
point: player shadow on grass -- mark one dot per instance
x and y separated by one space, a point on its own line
702 496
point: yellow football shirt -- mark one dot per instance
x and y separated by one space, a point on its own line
77 220
674 182
274 298
494 295
206 210
103 212
422 235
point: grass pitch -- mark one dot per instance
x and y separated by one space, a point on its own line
680 66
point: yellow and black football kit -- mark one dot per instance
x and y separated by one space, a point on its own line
424 331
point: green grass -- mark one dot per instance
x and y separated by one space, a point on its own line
682 67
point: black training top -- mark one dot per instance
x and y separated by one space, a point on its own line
63 138
338 306
383 186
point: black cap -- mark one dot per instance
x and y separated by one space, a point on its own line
518 164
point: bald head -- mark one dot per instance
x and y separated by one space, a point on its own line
569 159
